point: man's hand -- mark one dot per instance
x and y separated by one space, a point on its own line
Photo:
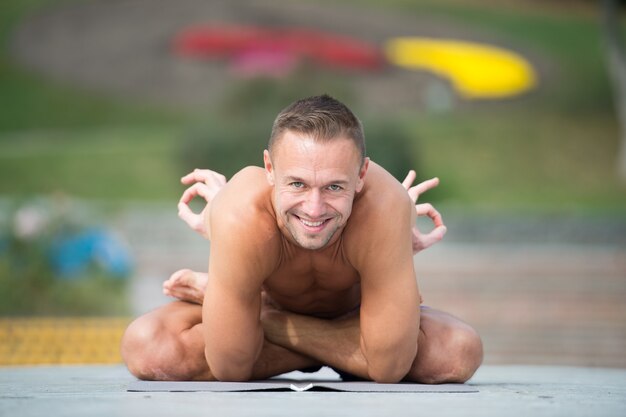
206 184
423 241
187 285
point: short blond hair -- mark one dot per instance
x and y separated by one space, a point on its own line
322 117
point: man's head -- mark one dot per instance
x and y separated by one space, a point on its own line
316 163
322 118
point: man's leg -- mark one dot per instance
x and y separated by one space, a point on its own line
165 344
448 349
168 344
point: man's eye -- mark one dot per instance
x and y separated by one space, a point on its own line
297 184
334 187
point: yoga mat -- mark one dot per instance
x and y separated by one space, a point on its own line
291 385
324 379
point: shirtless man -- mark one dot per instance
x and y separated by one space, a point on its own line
311 264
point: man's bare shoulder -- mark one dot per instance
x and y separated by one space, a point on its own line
244 207
382 193
382 201
248 188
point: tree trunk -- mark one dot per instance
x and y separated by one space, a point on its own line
617 73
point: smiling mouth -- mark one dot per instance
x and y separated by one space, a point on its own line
313 224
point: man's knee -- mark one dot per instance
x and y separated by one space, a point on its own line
453 355
465 352
150 351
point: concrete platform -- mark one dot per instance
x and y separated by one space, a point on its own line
504 390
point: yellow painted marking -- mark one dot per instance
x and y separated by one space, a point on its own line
476 71
38 341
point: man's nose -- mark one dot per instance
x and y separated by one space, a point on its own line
314 204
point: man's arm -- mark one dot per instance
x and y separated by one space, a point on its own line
389 315
240 260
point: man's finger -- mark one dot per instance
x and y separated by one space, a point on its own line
197 190
192 219
197 175
433 237
422 187
204 175
184 211
410 177
427 209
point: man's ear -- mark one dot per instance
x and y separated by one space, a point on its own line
362 172
269 168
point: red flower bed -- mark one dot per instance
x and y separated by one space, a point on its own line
277 50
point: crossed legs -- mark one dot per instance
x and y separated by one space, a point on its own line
167 344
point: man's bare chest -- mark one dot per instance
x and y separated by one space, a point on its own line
304 274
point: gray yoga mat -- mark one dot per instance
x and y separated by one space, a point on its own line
282 385
323 380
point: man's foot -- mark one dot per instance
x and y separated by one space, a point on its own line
186 285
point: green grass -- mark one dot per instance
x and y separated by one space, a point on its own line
94 295
525 161
28 102
114 163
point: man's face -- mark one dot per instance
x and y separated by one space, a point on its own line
314 186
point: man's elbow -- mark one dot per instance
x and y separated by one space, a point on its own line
231 374
228 370
389 374
391 369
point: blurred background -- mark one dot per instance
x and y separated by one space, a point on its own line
514 105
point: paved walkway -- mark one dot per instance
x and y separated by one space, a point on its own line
503 391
